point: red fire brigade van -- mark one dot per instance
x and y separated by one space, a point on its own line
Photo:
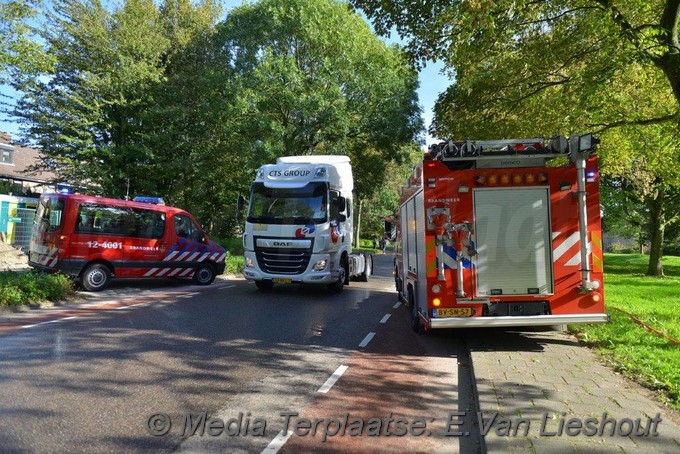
95 238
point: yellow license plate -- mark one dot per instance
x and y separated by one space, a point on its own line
282 280
455 312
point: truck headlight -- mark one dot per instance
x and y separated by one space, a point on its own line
249 263
319 265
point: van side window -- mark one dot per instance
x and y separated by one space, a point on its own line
110 220
185 228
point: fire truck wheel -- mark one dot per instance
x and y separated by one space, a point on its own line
204 275
95 277
363 277
415 320
264 285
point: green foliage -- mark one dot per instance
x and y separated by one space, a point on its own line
33 287
630 348
11 188
233 245
20 53
384 201
235 264
310 78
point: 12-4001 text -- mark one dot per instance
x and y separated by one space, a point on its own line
104 245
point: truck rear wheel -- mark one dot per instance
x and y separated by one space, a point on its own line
368 270
96 277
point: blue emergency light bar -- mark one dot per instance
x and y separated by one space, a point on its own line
146 199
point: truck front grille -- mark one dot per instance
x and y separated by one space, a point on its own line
283 261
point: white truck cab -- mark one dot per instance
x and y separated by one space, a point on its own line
299 224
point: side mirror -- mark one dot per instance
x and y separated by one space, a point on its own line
342 204
240 203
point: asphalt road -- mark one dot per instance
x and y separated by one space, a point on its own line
89 379
91 383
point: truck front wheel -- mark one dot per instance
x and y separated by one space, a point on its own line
337 286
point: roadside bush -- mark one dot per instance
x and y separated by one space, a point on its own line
233 245
235 264
32 287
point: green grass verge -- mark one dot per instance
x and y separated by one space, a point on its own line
235 264
32 287
630 348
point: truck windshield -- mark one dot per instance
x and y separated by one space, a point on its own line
305 205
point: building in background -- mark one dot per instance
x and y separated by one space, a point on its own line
16 169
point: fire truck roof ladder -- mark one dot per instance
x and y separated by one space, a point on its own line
480 150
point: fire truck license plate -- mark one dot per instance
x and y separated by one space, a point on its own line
455 312
282 280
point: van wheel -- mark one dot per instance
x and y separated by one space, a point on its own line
264 285
368 259
96 277
204 275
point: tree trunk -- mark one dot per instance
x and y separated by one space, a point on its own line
356 237
656 233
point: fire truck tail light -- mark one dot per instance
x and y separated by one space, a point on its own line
530 178
480 180
517 179
542 177
436 288
505 180
436 302
493 180
595 297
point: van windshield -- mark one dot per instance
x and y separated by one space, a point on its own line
305 205
49 214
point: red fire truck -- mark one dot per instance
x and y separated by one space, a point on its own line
95 238
489 234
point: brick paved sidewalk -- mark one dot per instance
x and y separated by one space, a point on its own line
548 375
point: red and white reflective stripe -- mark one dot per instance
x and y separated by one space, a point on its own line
567 244
221 257
203 257
563 248
181 257
51 257
170 256
150 272
193 256
188 271
576 259
175 271
163 271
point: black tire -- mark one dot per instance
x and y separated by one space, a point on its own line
365 276
415 320
339 284
264 285
96 277
204 275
